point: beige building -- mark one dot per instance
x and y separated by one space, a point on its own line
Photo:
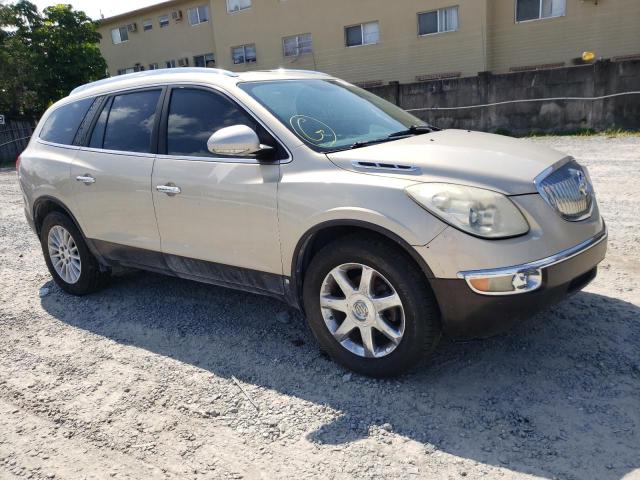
371 41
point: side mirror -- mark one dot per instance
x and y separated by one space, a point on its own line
236 141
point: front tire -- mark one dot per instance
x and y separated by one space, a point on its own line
370 307
68 258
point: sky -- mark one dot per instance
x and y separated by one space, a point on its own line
95 9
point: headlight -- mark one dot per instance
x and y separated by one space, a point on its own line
474 210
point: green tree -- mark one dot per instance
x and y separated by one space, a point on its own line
44 56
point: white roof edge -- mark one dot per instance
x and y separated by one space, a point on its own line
147 74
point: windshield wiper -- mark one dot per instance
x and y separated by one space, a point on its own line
365 143
414 130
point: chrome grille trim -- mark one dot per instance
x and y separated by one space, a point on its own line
566 187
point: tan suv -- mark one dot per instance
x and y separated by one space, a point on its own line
385 231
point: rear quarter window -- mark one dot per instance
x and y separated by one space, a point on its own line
62 124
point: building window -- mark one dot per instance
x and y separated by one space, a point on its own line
153 66
147 25
237 5
438 21
206 60
198 15
163 21
123 71
363 34
119 35
297 45
537 9
244 54
170 64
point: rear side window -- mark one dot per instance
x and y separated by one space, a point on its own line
194 115
130 122
63 122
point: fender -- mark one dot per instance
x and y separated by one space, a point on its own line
299 255
47 198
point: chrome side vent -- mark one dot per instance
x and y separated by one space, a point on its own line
387 167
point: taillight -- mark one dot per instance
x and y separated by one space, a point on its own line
18 164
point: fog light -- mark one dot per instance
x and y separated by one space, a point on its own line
506 284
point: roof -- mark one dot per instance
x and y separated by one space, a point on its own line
140 11
184 75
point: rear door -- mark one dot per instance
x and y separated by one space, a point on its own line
222 226
112 178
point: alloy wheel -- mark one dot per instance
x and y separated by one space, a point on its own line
64 254
362 310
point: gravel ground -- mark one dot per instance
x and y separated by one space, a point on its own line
137 381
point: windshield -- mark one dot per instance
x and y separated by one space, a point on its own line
330 115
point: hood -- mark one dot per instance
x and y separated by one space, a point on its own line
495 162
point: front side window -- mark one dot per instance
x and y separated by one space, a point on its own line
244 54
62 125
330 115
237 5
194 115
438 21
363 34
163 21
120 35
206 60
538 9
198 15
130 122
297 45
147 25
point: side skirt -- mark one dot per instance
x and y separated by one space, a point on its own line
238 278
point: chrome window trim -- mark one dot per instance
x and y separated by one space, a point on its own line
118 152
548 171
193 158
60 145
547 262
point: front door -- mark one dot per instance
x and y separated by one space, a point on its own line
217 216
112 179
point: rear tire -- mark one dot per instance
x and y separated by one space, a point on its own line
388 321
71 264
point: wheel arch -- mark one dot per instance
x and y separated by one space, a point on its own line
46 204
323 233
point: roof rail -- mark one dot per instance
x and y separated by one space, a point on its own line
151 73
293 70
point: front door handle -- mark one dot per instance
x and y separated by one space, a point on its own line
169 189
86 179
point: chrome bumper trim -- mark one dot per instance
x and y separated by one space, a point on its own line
532 266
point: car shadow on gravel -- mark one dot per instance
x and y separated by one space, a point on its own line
556 397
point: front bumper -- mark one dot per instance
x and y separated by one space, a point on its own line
469 314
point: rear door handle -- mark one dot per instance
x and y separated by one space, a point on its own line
169 189
86 179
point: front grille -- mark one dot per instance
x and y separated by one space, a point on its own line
568 190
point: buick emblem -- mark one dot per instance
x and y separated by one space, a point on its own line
360 310
583 184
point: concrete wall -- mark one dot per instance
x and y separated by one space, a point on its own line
599 79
